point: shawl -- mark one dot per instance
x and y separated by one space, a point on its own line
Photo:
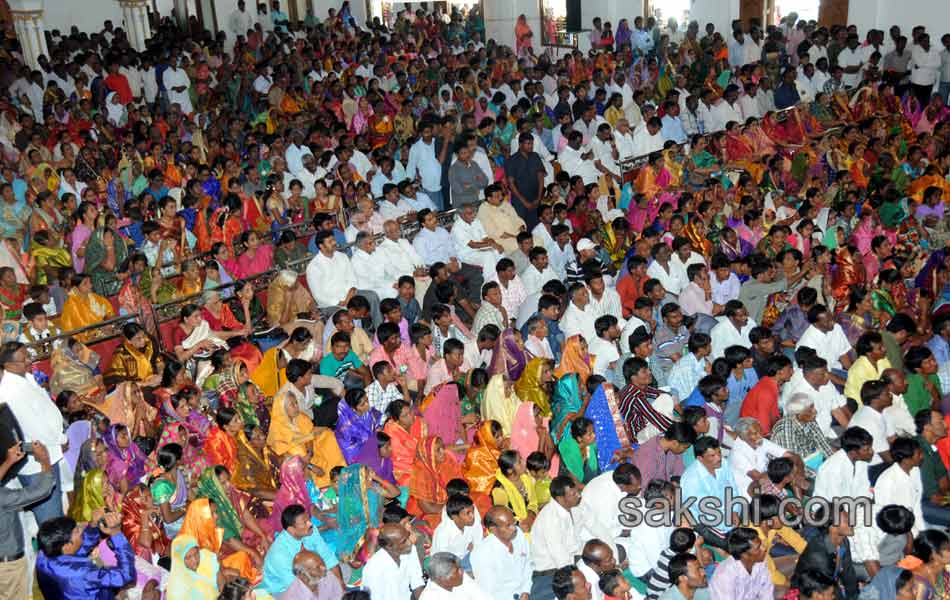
358 508
253 471
73 370
572 361
515 499
528 387
252 412
498 406
611 432
442 413
481 461
185 584
133 506
293 490
566 405
850 273
508 356
89 497
83 310
129 363
210 487
199 523
428 477
96 250
352 429
267 376
286 436
406 447
221 448
124 463
368 456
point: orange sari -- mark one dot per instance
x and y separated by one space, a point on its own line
221 448
480 467
429 479
199 524
405 446
572 361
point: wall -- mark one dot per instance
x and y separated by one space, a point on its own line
882 14
500 18
720 13
87 15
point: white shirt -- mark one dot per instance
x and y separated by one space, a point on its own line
539 348
469 590
724 291
435 245
608 304
876 424
393 212
625 145
724 334
559 258
830 346
604 352
749 107
399 257
604 152
239 23
851 58
646 143
502 574
744 458
330 279
554 538
896 486
176 77
294 156
39 419
371 274
924 65
599 512
576 321
150 84
465 233
592 578
449 538
386 580
721 114
534 280
899 418
826 399
572 163
671 280
644 545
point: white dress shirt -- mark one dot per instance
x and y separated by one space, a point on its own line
399 257
599 510
744 458
850 58
391 211
827 399
896 486
671 280
37 415
501 574
830 346
386 580
534 280
294 157
449 538
644 545
469 590
539 347
724 291
724 334
330 279
749 107
924 65
435 246
608 304
371 274
465 233
876 424
604 353
721 114
838 477
554 538
572 163
899 418
576 321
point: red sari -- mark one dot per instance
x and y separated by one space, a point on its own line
246 351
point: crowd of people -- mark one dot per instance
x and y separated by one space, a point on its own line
669 319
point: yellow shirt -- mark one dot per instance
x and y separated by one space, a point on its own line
790 538
863 370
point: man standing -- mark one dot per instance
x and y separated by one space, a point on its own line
176 81
466 179
238 25
925 69
425 165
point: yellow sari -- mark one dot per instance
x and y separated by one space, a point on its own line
496 406
295 438
508 495
84 310
187 584
528 387
267 376
46 258
90 496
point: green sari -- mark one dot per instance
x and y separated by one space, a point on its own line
567 400
166 291
358 509
209 487
89 496
104 281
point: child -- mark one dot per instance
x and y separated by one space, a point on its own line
407 299
391 310
457 533
40 294
343 364
37 328
158 251
538 466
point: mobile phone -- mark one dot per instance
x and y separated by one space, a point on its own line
26 447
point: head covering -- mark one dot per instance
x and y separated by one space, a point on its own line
585 244
358 508
89 496
124 463
209 487
199 523
574 361
481 461
185 584
368 455
529 388
509 356
352 428
497 405
441 411
293 490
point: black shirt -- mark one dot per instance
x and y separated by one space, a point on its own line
524 170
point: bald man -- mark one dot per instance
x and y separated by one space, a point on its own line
394 571
312 581
597 558
501 563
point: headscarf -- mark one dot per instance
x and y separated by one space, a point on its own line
133 505
572 361
608 425
508 357
254 470
199 524
565 405
529 389
358 508
481 461
368 455
89 497
441 411
210 487
124 463
497 405
352 429
293 490
516 501
185 584
284 435
428 478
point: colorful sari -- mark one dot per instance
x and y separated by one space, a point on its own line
406 445
220 448
252 412
609 426
254 471
849 274
84 310
358 509
292 490
124 463
519 503
368 456
528 387
185 584
480 465
131 364
573 361
497 406
567 405
231 505
442 414
133 506
509 357
293 438
104 281
428 480
353 429
200 524
268 376
90 496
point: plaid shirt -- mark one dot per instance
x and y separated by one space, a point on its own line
801 438
380 398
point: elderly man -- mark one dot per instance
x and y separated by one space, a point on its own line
312 581
394 571
369 270
798 431
475 246
499 219
447 580
502 564
751 454
331 278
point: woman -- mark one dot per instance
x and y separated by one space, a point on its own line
201 523
376 453
190 283
222 321
523 36
928 561
193 339
442 413
95 492
509 356
575 359
292 433
250 403
83 307
603 410
531 433
255 471
220 446
234 510
356 423
859 316
406 432
126 462
534 385
848 275
257 257
578 451
142 526
75 367
195 573
481 463
169 488
361 495
186 427
104 253
870 364
297 488
500 403
514 489
431 471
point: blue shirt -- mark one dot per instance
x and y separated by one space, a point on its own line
737 392
435 246
941 349
673 129
423 160
697 482
278 564
76 577
685 374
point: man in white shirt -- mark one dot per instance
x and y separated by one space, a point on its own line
725 111
435 244
554 535
502 564
398 255
597 558
239 23
447 580
648 137
924 69
392 206
603 346
732 330
331 278
536 342
538 272
737 50
369 270
576 318
828 340
425 165
577 160
475 247
623 139
875 398
845 473
296 151
177 83
394 571
813 380
606 152
851 59
39 420
599 509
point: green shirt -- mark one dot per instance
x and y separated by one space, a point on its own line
932 469
917 397
331 367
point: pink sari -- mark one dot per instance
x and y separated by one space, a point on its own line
293 490
442 412
524 435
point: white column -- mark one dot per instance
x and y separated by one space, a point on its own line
29 30
135 15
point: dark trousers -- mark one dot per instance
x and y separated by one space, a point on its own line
922 93
470 278
542 586
934 514
713 537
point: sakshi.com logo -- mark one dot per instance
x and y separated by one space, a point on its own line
734 510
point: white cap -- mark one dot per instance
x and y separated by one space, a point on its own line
585 244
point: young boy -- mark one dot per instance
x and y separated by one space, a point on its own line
407 299
682 539
385 388
538 465
37 328
343 364
457 534
391 310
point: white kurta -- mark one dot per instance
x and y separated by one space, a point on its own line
330 279
172 78
371 274
486 258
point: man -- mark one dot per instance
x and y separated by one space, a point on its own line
298 534
931 428
726 110
399 256
503 224
688 579
176 81
63 567
447 580
812 378
646 411
599 509
525 173
466 178
576 319
830 554
577 159
425 165
604 300
554 536
845 473
538 273
491 312
567 583
743 575
875 398
501 563
829 342
434 244
394 571
761 403
39 420
14 571
370 272
311 580
331 278
239 22
924 69
597 559
457 533
512 289
603 346
851 60
474 245
732 330
662 456
709 475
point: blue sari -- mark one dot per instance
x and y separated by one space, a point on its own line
358 509
608 442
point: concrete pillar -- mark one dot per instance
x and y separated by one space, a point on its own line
135 17
28 22
501 16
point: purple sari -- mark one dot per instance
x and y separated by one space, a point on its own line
508 358
353 429
369 456
124 463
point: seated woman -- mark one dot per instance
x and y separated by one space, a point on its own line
191 282
185 425
869 365
257 258
481 463
221 446
95 492
269 376
193 339
135 359
431 471
126 462
406 432
255 472
221 320
500 403
514 489
195 572
74 367
169 488
292 433
376 453
233 510
201 522
105 251
535 384
356 423
83 307
47 255
244 295
296 487
144 531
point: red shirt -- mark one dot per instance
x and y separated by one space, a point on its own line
120 85
761 403
630 288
